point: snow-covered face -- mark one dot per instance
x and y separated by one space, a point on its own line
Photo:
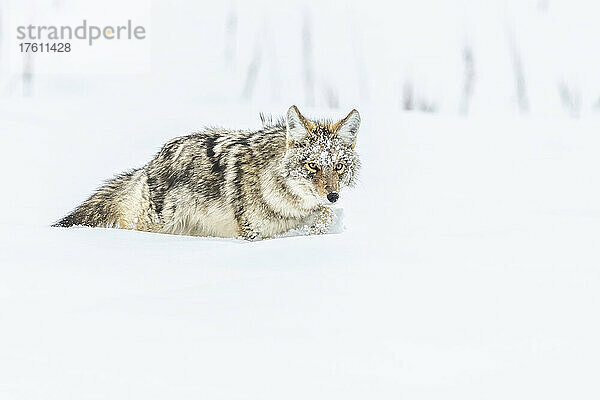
320 156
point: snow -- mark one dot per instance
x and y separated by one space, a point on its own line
468 268
323 54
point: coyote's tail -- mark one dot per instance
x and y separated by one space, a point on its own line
119 203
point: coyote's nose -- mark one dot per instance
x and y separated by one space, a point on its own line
333 196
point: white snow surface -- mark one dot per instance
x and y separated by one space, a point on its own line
468 269
322 53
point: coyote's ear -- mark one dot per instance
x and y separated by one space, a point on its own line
347 129
297 125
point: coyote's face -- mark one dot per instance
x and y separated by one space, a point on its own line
320 157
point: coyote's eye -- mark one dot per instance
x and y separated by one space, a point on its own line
340 167
312 166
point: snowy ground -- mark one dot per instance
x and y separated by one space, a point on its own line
468 269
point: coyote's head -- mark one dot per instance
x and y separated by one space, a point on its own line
320 157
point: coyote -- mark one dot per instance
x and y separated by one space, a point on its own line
234 183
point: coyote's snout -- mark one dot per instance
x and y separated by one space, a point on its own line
231 183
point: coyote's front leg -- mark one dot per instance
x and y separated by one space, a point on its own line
322 221
246 231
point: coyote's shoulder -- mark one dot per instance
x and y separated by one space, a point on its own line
233 183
